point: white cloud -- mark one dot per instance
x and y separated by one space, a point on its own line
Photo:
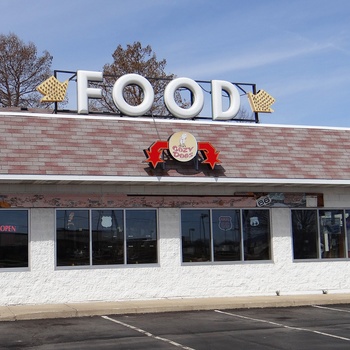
250 60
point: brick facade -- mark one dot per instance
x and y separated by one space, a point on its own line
41 144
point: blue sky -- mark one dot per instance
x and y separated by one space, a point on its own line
298 51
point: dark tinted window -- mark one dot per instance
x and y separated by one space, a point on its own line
13 238
196 237
256 234
332 234
107 237
73 237
305 234
141 236
226 235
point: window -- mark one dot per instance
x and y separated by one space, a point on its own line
195 226
320 233
107 237
141 230
73 241
227 235
96 237
256 234
332 234
13 238
347 216
305 234
223 234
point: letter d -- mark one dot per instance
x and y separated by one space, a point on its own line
217 86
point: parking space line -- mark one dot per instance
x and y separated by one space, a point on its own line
148 334
282 325
330 308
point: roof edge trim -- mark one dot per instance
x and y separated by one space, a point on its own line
169 180
160 120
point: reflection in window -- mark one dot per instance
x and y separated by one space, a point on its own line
13 238
347 218
320 238
332 235
222 241
305 234
256 234
107 237
195 235
73 241
226 235
141 236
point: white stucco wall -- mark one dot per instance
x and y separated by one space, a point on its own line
42 282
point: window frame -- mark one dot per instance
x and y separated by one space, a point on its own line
269 234
142 239
92 241
125 263
68 223
200 247
212 253
21 268
240 231
345 233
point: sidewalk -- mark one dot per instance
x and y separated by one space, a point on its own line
44 311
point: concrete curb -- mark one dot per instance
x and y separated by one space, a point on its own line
46 311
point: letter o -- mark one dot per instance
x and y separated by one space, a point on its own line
118 97
174 108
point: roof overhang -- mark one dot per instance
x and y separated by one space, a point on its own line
165 180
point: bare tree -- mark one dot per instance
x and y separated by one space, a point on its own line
244 115
140 60
21 71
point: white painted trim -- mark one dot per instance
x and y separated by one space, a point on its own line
170 180
169 121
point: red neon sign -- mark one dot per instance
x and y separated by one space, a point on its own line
8 228
154 152
208 151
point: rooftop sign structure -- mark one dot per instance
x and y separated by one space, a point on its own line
87 88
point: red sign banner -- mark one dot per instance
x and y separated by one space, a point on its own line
155 151
208 151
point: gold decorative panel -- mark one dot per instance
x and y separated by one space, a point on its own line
53 90
261 102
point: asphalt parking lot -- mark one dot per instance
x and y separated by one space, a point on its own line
311 327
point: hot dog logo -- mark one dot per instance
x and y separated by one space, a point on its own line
183 147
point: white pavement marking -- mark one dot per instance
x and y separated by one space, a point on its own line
330 308
148 334
282 325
